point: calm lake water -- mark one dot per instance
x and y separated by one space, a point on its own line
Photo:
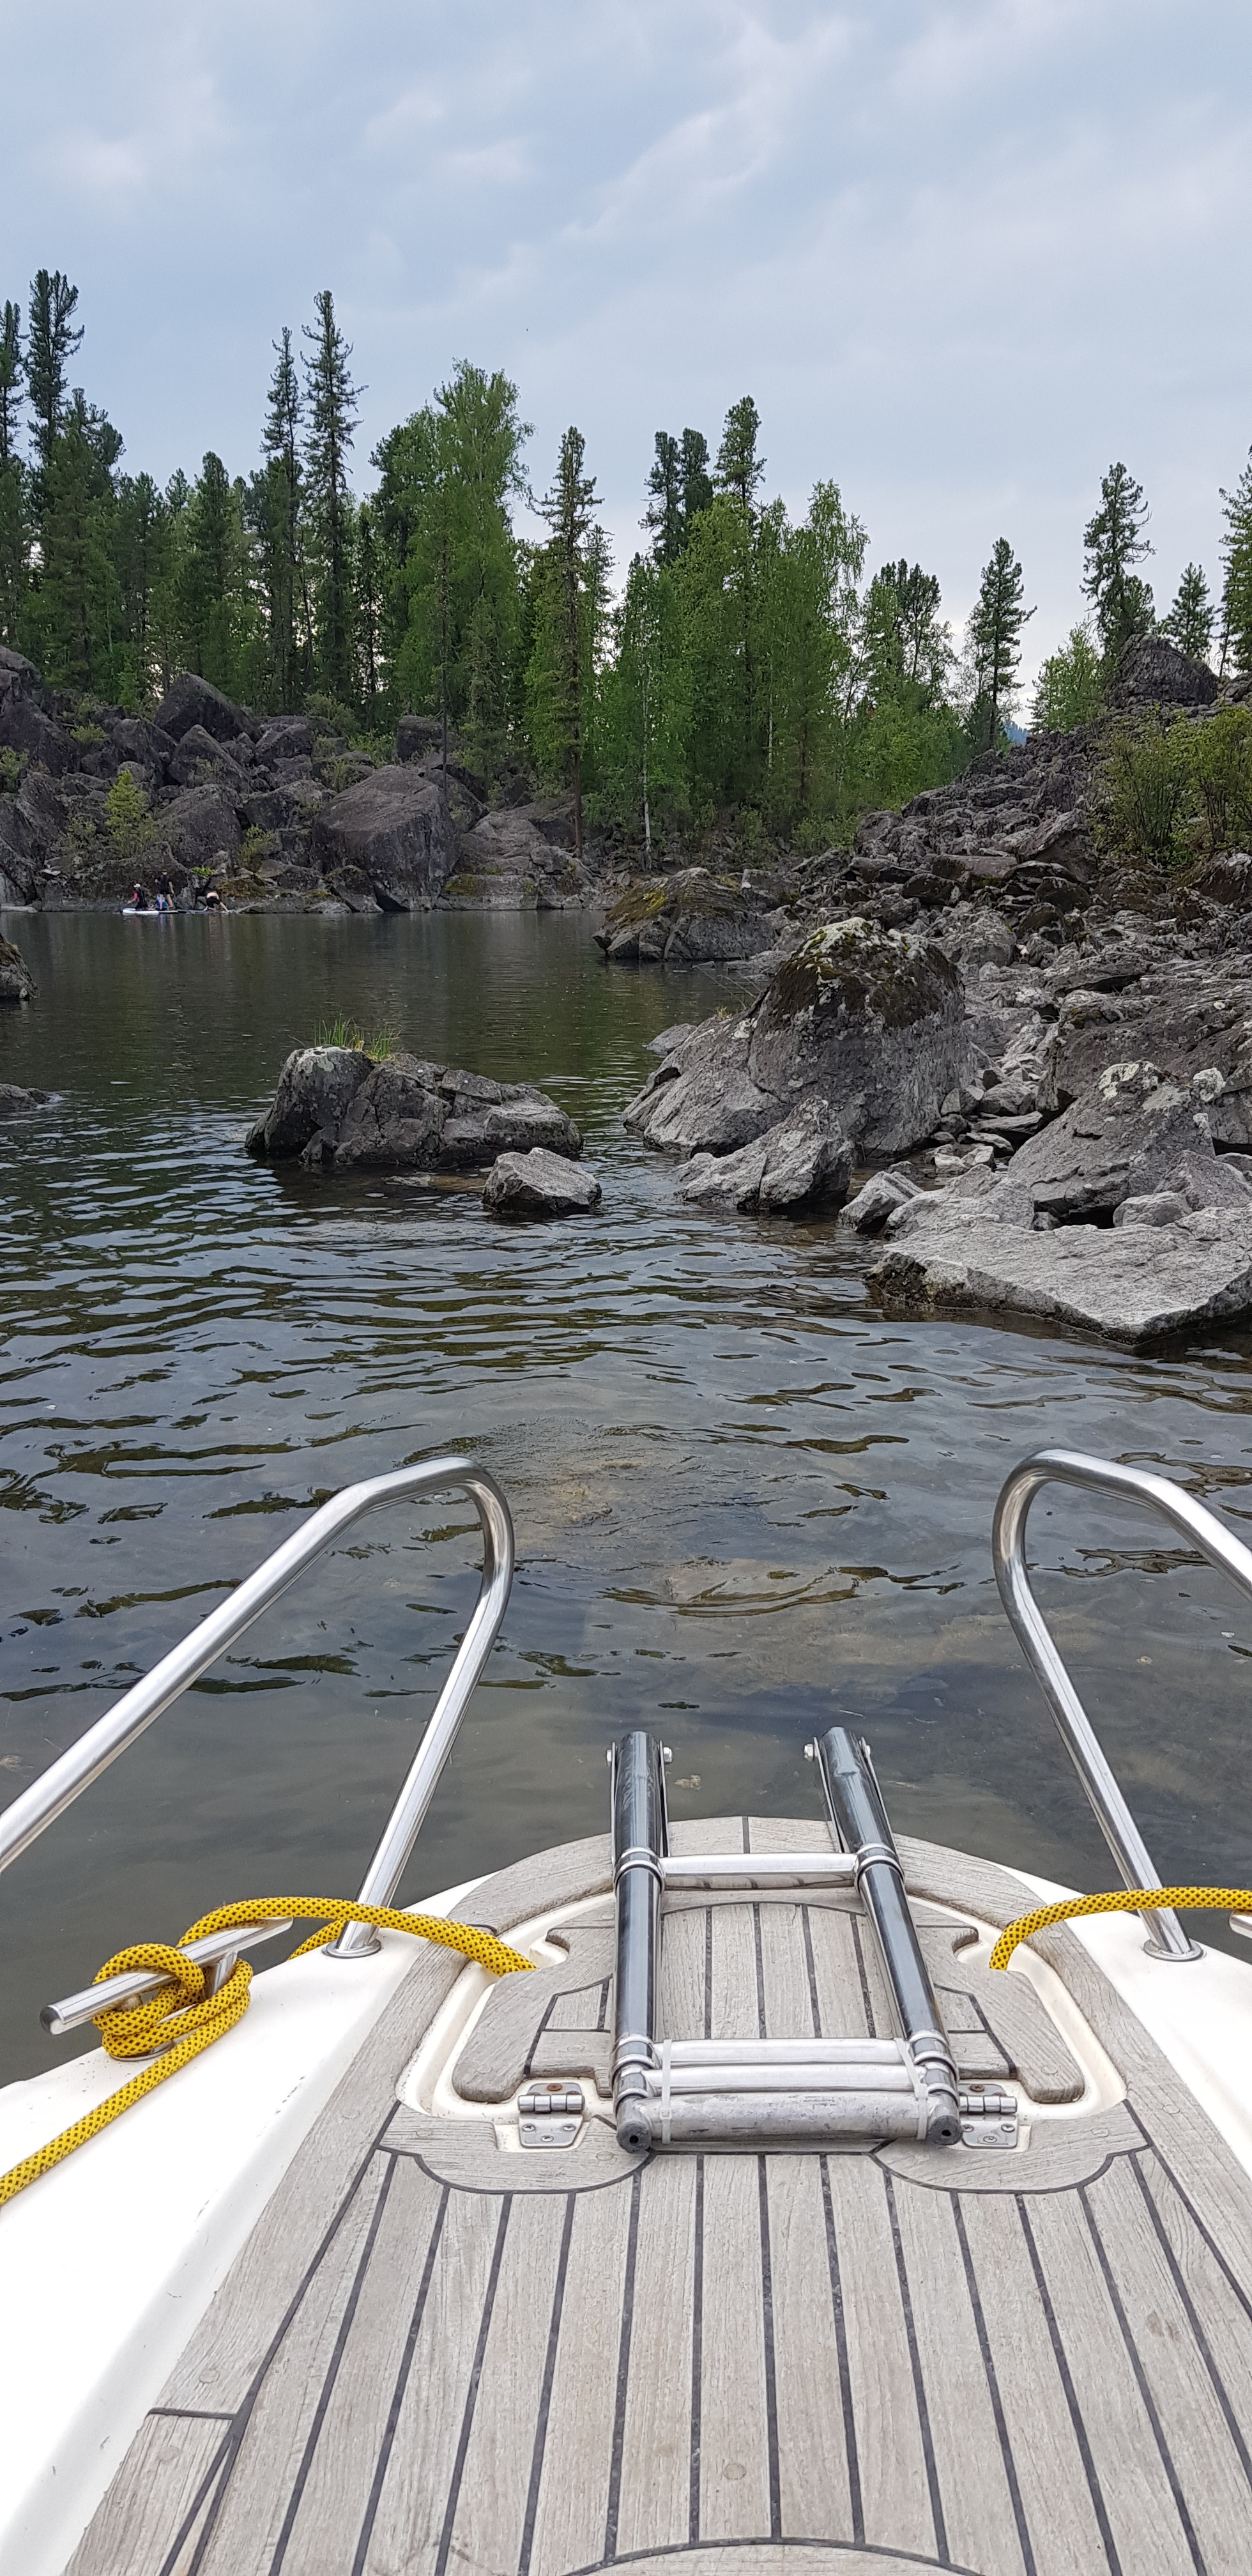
744 1501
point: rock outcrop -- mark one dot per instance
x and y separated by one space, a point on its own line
393 828
17 984
336 1108
539 1184
278 812
869 1022
694 918
15 1100
1120 1216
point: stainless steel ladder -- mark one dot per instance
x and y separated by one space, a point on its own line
754 2094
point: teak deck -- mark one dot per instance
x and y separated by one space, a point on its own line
436 2358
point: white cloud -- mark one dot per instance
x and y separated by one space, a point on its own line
964 252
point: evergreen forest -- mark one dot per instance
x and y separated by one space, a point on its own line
744 664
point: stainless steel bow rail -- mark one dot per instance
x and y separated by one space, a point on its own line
1167 1939
757 2093
64 1780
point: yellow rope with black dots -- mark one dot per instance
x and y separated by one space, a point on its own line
182 2020
1124 1900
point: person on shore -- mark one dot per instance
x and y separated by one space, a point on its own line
212 900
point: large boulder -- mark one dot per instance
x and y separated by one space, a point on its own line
315 1089
539 1184
336 1107
803 1163
867 1021
199 761
200 829
507 864
691 918
17 984
1153 673
189 701
395 827
15 1101
1124 1138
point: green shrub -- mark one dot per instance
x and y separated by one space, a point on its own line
88 736
1221 774
12 770
129 825
1147 791
1070 687
255 846
343 1032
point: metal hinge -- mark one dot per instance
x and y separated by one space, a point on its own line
988 2116
550 2115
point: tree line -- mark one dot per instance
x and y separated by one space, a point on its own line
745 665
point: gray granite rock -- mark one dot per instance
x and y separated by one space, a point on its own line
17 984
395 827
337 1108
539 1184
804 1162
15 1100
315 1089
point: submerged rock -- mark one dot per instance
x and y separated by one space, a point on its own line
337 1108
15 1101
17 984
869 1022
539 1184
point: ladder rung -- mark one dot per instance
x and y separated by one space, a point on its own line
763 1870
797 2077
784 2052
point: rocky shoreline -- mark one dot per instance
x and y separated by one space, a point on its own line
278 814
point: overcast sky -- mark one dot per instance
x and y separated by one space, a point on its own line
964 253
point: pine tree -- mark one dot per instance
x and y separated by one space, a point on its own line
51 343
664 513
995 648
140 551
215 599
368 613
571 582
1237 584
79 609
278 514
332 415
697 482
1189 624
739 468
11 371
1114 543
13 535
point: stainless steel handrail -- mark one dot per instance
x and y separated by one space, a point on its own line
65 1779
1008 1551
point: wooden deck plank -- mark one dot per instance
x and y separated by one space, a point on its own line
789 1979
736 1998
510 2427
684 1993
656 2478
975 2470
331 2479
895 2493
571 2509
1208 2277
841 1988
408 2514
1179 2382
738 2441
817 2481
153 2516
1141 2512
1057 2509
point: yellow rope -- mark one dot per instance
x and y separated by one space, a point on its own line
181 2020
1124 1900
